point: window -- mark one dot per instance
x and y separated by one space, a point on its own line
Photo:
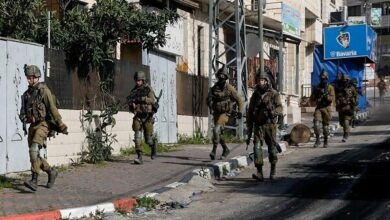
354 10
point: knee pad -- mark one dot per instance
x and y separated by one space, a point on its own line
317 127
137 138
326 130
149 140
216 134
34 152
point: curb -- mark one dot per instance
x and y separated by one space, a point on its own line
126 204
214 171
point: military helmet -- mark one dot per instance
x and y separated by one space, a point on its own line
139 75
222 74
324 75
262 75
32 70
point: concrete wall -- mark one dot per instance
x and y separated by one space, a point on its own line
65 149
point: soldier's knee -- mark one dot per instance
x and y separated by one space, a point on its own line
149 140
34 152
137 138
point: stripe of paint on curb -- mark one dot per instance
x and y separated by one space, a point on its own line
49 215
125 204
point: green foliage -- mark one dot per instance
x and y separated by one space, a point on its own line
5 182
100 140
197 138
90 36
25 20
161 148
147 202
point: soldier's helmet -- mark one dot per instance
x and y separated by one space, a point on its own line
324 75
262 75
139 75
32 70
222 74
344 77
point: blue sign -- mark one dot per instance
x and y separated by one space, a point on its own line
350 42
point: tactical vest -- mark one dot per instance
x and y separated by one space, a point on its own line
34 106
141 109
221 102
322 100
263 108
346 97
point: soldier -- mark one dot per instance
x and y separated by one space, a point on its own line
220 100
264 109
354 83
346 103
382 89
40 111
322 96
141 103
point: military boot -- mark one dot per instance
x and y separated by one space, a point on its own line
345 137
33 183
153 151
225 152
272 172
318 142
213 152
259 175
325 142
52 175
139 158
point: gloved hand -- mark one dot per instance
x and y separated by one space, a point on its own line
63 128
239 115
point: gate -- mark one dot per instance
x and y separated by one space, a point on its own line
163 77
14 155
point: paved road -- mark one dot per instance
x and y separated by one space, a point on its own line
345 181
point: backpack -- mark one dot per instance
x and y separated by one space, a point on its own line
53 127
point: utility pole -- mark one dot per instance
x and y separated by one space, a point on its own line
260 8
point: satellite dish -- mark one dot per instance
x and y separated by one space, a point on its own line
253 44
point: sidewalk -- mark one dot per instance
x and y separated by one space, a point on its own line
88 185
94 184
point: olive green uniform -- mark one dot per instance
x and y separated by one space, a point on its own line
382 89
221 100
346 104
38 105
142 108
323 98
264 109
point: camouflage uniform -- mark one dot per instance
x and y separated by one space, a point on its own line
221 99
382 89
354 83
141 101
40 111
346 102
264 108
323 96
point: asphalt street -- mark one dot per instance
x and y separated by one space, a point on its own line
345 181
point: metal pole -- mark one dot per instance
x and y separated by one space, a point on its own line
48 29
260 23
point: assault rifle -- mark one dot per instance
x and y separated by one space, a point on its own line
156 105
22 116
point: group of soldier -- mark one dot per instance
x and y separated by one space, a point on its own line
344 94
265 107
